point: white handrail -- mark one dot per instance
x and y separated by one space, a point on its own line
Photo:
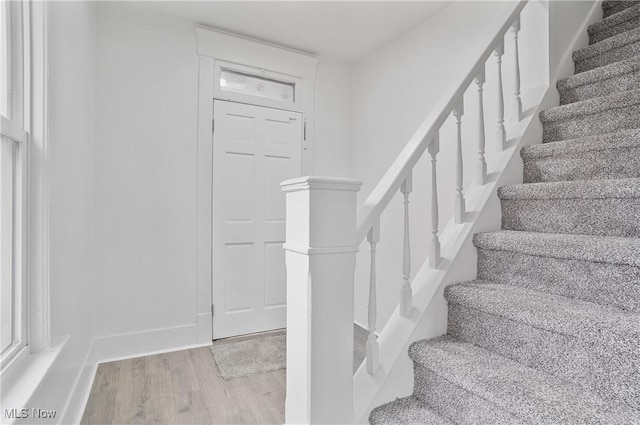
388 186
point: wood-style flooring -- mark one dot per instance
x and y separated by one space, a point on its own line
183 387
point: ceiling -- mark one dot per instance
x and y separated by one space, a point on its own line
342 30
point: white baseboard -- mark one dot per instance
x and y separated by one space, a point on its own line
146 343
79 397
205 328
130 345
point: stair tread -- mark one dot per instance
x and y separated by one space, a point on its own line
610 4
601 249
530 394
614 20
591 106
619 139
607 44
601 73
407 411
573 189
581 319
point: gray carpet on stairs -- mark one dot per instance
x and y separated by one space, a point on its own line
550 331
617 77
607 156
622 21
612 49
611 7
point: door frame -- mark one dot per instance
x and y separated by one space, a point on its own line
215 48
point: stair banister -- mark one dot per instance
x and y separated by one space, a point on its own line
390 183
517 101
406 293
481 166
373 361
501 133
434 243
459 206
323 234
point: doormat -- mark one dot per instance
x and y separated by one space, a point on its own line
251 356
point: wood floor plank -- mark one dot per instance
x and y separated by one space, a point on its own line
182 373
184 387
161 409
106 377
100 408
192 409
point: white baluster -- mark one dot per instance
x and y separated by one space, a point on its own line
501 133
515 28
434 244
373 357
481 166
406 293
459 208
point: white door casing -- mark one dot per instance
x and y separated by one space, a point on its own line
255 148
213 49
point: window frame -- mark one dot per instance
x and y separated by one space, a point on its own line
35 355
13 128
219 93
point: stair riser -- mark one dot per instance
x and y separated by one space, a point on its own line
625 26
607 121
468 408
592 165
616 84
603 217
609 56
616 7
615 285
612 371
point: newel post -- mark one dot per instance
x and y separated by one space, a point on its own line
320 258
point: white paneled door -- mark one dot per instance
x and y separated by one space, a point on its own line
254 149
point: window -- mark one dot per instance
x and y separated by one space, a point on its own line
13 147
254 85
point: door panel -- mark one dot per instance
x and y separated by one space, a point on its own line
254 149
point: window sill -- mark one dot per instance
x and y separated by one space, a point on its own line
26 374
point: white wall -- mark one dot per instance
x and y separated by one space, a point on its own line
565 18
394 88
332 156
70 180
145 175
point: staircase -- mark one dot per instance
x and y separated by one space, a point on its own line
549 333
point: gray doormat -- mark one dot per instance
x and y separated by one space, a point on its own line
250 356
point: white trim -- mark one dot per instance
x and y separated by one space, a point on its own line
12 130
38 193
213 48
204 325
34 363
81 389
93 371
22 381
233 48
319 183
204 196
145 343
305 250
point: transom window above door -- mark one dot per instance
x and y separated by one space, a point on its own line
246 84
254 85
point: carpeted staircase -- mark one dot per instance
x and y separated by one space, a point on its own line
549 333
